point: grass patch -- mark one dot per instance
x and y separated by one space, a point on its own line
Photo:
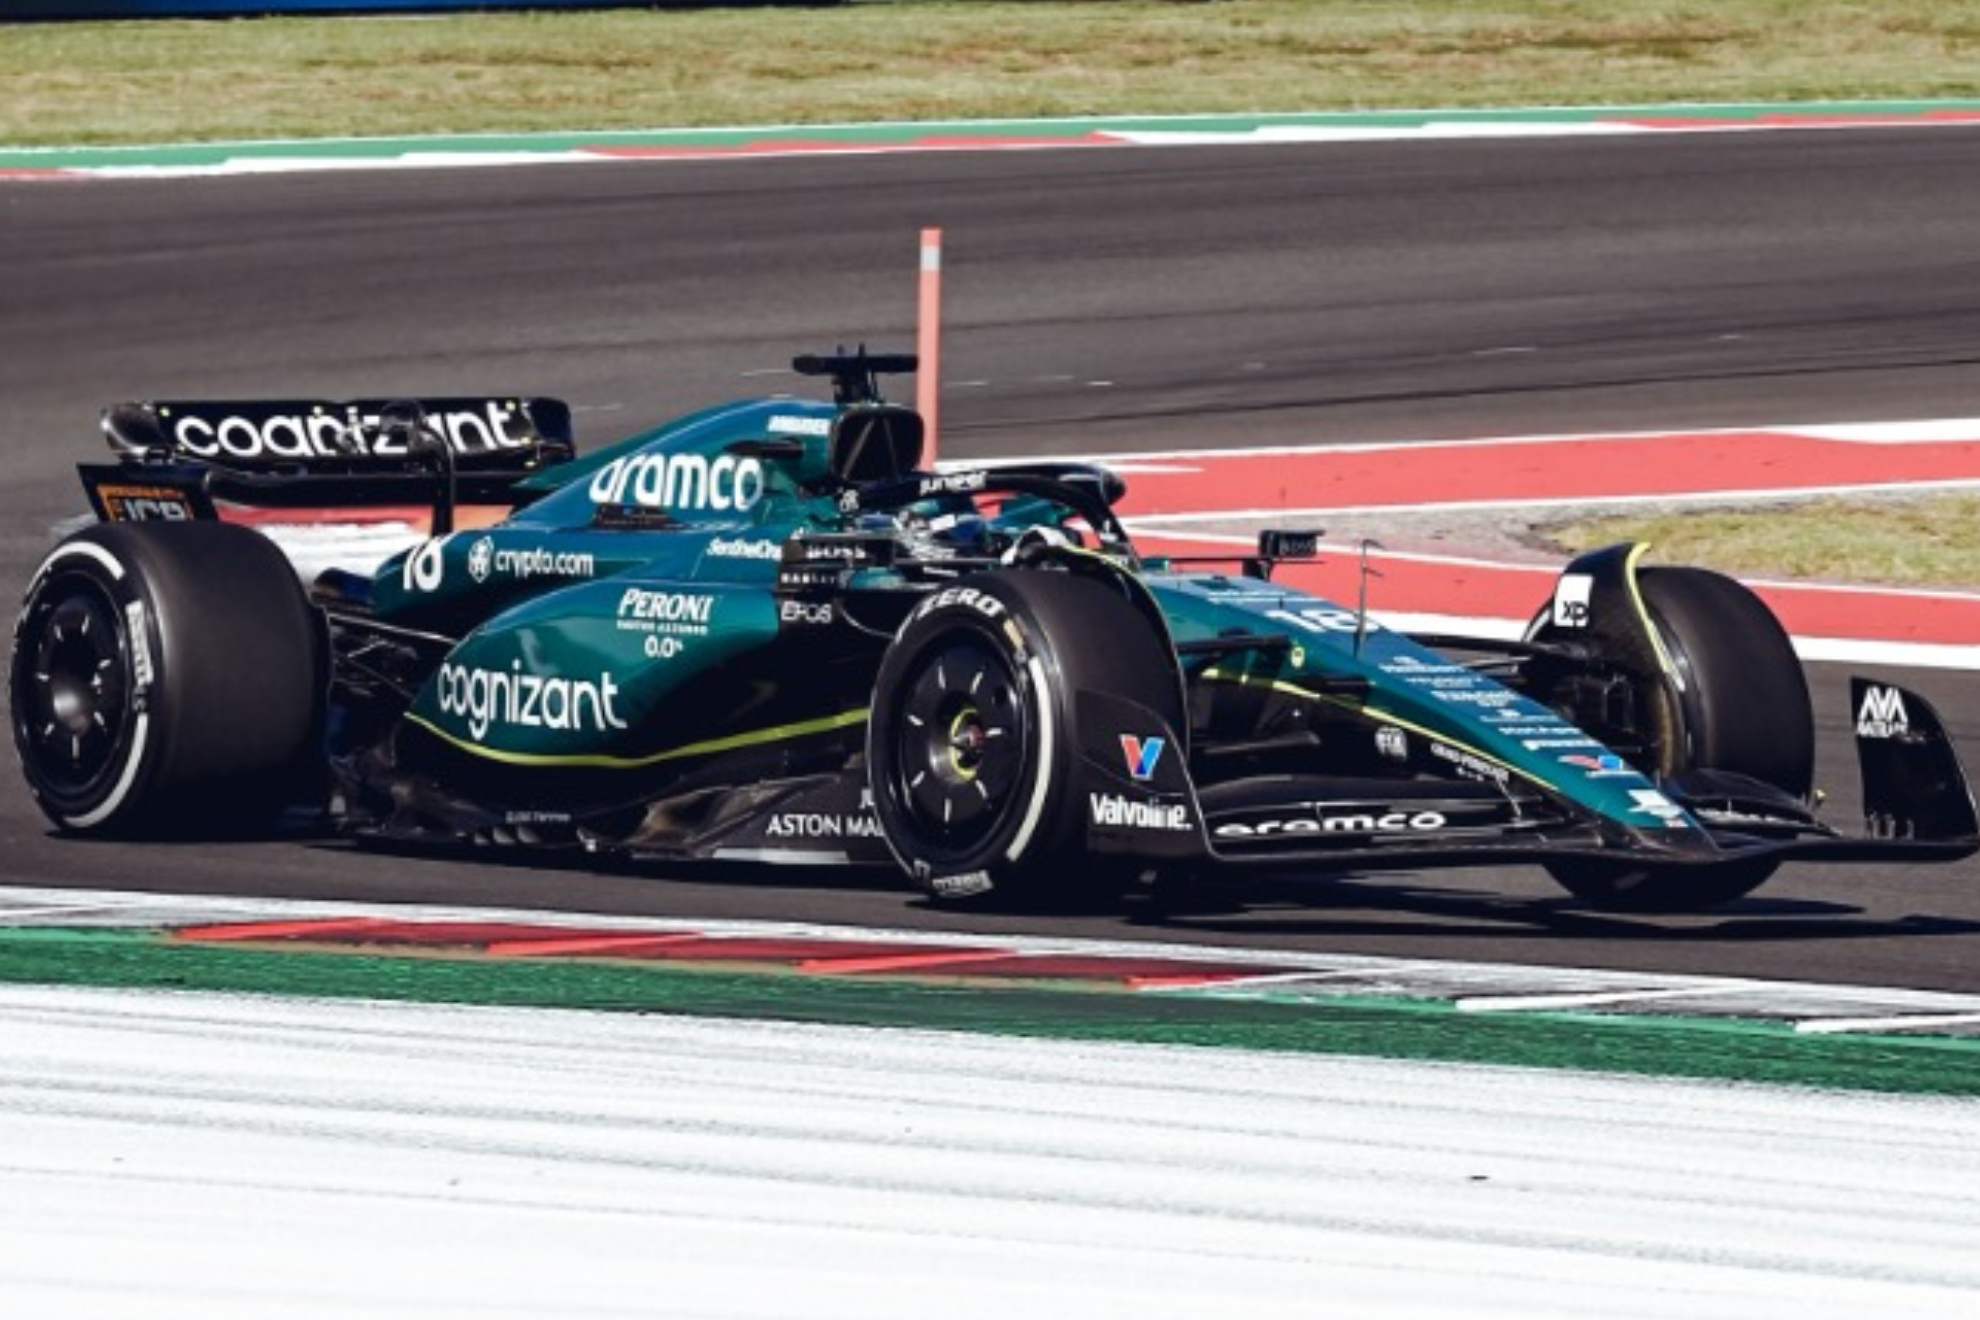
1919 541
74 84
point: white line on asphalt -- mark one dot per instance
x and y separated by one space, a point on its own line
1241 983
1883 1025
1601 999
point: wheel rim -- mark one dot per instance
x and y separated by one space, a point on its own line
960 743
72 700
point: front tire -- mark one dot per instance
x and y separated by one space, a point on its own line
166 680
1743 707
972 748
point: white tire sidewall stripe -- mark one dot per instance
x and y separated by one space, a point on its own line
1041 782
141 727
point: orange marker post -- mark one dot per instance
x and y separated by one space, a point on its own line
928 341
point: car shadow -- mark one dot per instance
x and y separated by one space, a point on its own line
1399 907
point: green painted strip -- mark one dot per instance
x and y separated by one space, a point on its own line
1366 1027
901 134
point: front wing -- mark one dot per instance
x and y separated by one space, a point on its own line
1917 802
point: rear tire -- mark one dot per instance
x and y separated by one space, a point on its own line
1744 707
166 681
971 745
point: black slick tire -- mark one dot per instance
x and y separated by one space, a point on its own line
166 681
972 748
1744 707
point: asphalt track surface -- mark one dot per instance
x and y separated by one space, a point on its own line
1119 299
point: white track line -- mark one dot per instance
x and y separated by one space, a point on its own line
1602 999
1876 1025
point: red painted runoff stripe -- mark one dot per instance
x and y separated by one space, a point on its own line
920 958
346 928
1874 615
820 955
588 944
1512 471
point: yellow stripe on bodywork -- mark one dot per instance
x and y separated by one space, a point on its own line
1669 665
600 761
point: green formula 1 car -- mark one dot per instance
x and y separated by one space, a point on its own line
763 632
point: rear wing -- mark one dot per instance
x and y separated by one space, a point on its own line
177 458
273 435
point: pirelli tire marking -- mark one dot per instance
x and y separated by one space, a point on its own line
138 641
